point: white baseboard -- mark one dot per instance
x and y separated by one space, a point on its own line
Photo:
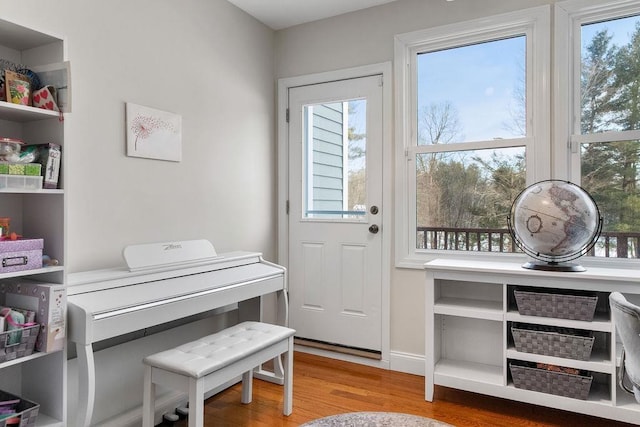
407 362
398 361
383 364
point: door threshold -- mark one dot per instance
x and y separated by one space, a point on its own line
338 348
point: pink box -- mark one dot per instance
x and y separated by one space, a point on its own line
18 255
45 98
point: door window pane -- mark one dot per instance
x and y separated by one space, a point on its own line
335 160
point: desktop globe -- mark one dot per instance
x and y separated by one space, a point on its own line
554 222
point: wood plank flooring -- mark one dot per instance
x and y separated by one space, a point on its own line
325 387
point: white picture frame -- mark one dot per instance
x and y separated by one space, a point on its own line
153 134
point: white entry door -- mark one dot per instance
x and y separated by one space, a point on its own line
335 212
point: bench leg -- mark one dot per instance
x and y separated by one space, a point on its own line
196 402
288 378
148 399
247 386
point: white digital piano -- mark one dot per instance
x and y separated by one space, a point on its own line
161 283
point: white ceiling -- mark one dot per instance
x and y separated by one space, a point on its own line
279 14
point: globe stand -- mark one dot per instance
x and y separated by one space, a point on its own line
553 266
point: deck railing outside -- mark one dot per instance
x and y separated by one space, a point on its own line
609 244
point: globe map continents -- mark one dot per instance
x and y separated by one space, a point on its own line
554 221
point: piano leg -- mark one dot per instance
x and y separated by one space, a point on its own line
282 312
87 384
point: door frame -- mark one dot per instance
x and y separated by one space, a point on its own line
284 84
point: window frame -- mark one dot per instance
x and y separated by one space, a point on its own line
535 24
569 16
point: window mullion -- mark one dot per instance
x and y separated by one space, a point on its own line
626 135
470 146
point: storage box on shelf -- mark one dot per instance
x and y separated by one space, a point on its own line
50 156
31 169
557 305
48 301
559 382
553 341
20 182
472 305
20 255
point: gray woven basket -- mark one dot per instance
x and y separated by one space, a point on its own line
548 341
25 347
26 411
574 307
558 383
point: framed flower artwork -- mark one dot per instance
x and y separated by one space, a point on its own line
17 87
153 134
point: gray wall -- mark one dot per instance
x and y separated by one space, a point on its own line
205 60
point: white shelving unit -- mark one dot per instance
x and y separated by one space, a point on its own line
40 377
470 308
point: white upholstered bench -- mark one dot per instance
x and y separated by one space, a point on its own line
202 365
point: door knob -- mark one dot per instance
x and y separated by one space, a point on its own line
374 229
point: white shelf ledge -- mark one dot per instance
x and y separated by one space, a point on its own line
598 324
447 370
27 273
597 363
24 113
488 310
26 191
19 360
44 420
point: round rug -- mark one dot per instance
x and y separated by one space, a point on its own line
375 419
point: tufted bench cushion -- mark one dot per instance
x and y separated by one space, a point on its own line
215 360
213 352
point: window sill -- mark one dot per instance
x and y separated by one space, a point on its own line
417 261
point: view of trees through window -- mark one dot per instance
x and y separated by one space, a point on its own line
610 101
357 140
463 196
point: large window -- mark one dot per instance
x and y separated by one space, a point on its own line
474 123
603 124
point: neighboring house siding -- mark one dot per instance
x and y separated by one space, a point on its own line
327 157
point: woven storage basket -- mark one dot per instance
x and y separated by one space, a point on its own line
574 307
21 349
550 341
545 381
26 410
